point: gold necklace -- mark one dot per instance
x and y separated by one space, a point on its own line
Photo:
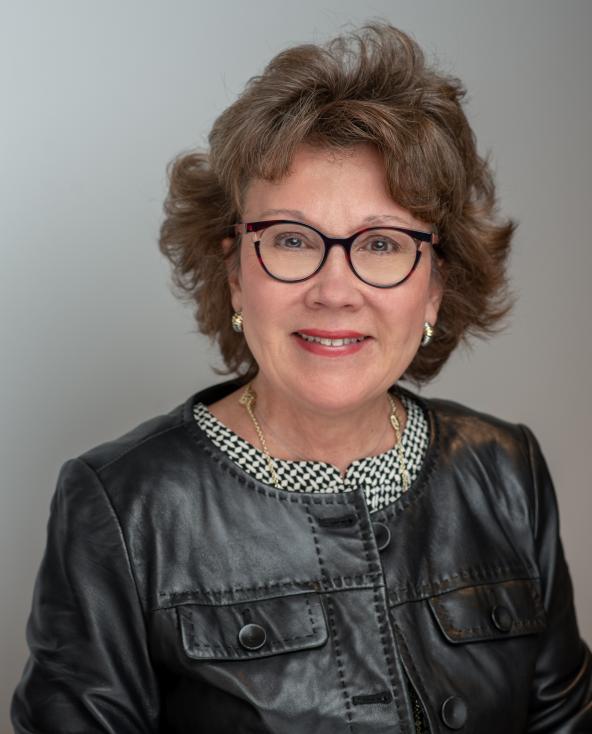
249 398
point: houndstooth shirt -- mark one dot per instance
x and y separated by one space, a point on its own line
378 476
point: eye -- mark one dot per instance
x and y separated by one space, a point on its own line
293 241
290 241
380 245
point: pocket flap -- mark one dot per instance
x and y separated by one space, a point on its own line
252 629
490 611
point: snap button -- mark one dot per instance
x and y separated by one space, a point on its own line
252 636
501 618
382 535
454 712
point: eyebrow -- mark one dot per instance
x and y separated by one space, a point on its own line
300 215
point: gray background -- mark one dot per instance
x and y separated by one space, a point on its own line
97 97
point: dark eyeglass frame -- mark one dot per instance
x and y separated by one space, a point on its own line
329 242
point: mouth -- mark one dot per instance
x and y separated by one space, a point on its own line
329 341
324 342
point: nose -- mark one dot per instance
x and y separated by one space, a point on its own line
335 285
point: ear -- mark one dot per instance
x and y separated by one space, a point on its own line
436 291
232 274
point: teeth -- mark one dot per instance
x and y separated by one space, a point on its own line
330 342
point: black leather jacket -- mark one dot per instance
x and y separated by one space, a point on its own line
176 594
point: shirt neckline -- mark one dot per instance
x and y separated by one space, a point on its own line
218 391
355 463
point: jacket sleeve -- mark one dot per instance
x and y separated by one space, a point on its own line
561 696
89 669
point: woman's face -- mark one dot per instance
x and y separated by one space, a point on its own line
337 195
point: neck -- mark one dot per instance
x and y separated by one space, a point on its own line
298 432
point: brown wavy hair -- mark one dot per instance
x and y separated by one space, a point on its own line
371 85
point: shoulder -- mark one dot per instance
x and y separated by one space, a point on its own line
159 439
153 446
140 472
474 449
142 439
471 423
461 431
461 417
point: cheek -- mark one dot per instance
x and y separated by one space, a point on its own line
404 311
265 303
262 301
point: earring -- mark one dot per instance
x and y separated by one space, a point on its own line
428 333
237 321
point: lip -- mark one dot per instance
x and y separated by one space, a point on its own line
323 334
322 350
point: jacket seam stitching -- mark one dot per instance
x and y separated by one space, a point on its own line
471 574
300 497
331 620
340 673
234 589
294 497
460 633
279 639
318 585
381 619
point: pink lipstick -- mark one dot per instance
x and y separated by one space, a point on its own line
331 343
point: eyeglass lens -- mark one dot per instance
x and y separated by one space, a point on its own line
293 252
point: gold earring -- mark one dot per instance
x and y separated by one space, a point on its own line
428 333
237 321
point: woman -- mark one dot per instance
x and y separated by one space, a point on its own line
311 547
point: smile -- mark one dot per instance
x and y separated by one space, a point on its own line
330 342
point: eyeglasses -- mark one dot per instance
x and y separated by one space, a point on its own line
292 252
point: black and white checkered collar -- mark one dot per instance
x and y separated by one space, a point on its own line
378 476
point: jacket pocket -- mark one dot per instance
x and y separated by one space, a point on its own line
253 629
490 611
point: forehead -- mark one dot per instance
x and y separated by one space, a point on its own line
334 189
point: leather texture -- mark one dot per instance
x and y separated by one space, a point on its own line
176 594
